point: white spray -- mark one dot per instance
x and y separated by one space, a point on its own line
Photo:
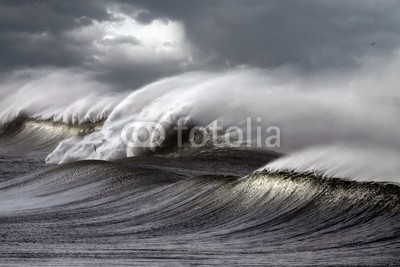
347 128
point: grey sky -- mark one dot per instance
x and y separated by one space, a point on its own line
129 43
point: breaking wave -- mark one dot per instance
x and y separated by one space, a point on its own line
312 116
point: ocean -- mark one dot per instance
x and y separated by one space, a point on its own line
74 192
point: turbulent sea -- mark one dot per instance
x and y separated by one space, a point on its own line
72 193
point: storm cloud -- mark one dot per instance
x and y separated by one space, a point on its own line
130 43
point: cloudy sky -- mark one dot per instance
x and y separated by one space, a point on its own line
130 43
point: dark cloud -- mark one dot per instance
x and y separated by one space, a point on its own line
48 16
310 35
31 32
146 17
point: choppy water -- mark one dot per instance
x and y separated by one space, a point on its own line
209 206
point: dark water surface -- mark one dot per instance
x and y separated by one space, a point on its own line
207 208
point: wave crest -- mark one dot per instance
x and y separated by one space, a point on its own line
340 116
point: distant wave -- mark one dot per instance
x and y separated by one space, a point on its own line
28 134
24 123
60 96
